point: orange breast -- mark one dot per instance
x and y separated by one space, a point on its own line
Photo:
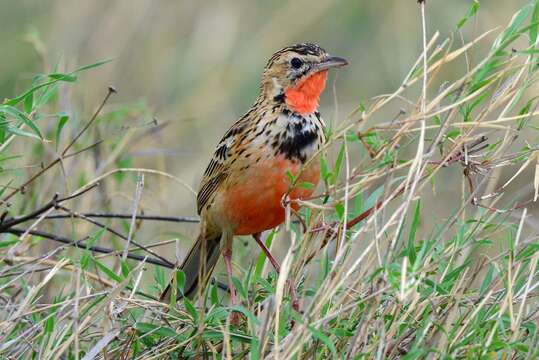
253 204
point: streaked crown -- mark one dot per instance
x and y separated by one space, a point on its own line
289 66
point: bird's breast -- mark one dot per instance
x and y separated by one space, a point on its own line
278 149
254 201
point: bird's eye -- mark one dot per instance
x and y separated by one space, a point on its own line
296 63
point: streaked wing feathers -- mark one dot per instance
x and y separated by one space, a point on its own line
219 166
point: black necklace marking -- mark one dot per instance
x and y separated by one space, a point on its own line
300 133
279 98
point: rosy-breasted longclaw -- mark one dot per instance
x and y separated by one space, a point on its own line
243 186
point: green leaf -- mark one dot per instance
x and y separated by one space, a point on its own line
159 278
3 126
534 19
63 77
373 197
19 115
17 131
213 335
29 103
145 327
55 78
339 209
239 287
452 134
180 281
338 165
85 260
306 185
63 119
48 95
217 315
7 243
91 66
352 136
530 51
49 324
413 231
425 247
324 169
18 99
471 13
95 237
110 274
527 252
214 295
124 266
190 309
513 29
266 285
290 176
255 349
86 256
324 269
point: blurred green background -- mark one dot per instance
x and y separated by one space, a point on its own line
195 66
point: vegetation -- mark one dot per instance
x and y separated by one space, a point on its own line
373 280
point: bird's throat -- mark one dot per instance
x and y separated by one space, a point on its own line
304 97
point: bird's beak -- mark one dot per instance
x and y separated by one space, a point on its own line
331 62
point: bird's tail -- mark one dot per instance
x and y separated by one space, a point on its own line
198 265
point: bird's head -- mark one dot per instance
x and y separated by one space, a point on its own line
297 76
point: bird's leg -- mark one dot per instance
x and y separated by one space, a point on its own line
277 267
227 257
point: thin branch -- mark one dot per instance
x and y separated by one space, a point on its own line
35 214
175 219
80 244
83 149
111 91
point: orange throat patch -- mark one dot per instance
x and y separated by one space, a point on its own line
304 97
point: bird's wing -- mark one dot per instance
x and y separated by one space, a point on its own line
219 166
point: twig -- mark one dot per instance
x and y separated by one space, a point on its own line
79 244
111 90
6 224
175 219
83 149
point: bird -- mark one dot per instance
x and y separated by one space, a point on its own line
259 161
